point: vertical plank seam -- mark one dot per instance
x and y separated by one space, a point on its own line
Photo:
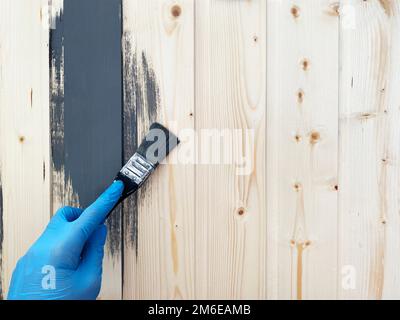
338 220
195 147
122 238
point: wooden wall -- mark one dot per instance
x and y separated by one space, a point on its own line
313 82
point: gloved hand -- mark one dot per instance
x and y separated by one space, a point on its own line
66 261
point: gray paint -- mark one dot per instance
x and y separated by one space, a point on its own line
57 94
141 105
152 92
130 216
86 117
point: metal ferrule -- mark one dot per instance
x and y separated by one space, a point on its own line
137 169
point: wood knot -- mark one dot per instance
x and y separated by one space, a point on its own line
176 11
336 187
297 186
367 115
315 136
241 211
297 137
305 64
31 97
21 139
295 11
255 39
300 96
334 9
301 244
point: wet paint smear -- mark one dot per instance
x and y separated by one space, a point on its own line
1 238
141 105
57 93
130 212
152 92
86 101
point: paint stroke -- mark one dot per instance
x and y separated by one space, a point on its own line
130 144
62 189
141 108
86 104
57 91
60 194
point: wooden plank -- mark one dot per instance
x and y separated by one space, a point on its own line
391 281
158 85
230 101
369 140
86 114
24 129
302 145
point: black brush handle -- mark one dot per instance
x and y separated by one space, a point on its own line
139 167
129 188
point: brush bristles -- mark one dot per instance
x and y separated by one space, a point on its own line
157 144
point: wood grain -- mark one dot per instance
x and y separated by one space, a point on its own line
24 128
305 92
302 149
391 134
230 95
159 85
369 136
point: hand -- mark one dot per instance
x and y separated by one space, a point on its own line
66 261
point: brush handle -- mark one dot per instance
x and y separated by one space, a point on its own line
130 187
139 167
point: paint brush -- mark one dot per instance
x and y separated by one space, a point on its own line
155 146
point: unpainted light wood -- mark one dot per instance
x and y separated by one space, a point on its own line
231 102
302 148
369 150
159 44
24 127
391 270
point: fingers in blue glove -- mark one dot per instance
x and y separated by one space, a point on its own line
68 214
96 213
73 244
92 256
90 270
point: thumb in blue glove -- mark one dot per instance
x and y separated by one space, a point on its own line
66 261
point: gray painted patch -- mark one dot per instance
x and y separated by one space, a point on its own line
141 105
57 93
86 114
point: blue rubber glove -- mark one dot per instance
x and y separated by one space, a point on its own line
66 261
